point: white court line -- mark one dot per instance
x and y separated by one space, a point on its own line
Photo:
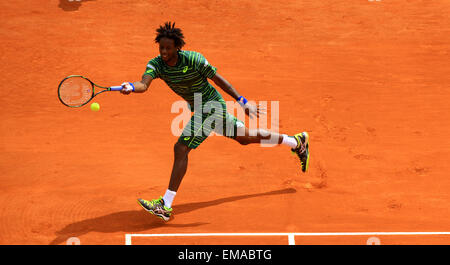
290 236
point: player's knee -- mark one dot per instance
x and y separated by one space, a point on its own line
180 150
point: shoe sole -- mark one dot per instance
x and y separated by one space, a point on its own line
307 150
152 212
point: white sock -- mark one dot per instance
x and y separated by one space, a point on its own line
168 198
289 141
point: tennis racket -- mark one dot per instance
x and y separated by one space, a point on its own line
76 91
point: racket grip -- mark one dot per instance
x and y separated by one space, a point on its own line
116 88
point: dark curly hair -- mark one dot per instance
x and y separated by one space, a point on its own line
169 31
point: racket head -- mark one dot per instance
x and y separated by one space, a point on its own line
75 91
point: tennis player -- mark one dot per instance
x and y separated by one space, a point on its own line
187 74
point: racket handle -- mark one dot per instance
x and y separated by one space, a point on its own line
116 88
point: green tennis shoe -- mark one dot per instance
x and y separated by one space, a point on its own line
156 207
302 149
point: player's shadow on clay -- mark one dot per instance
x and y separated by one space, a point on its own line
71 5
140 220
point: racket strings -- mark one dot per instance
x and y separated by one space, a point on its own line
75 91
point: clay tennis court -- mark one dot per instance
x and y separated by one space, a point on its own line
369 81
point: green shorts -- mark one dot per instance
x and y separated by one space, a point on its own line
213 117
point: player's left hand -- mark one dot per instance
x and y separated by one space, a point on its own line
254 110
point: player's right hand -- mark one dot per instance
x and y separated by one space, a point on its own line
127 88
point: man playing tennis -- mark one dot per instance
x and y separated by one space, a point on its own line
187 74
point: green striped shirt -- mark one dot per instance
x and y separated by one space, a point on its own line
187 77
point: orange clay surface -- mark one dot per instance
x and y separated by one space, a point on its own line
368 80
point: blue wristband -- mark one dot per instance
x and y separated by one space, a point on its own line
131 85
242 100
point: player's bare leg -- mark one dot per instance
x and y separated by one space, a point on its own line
299 143
179 168
162 207
253 136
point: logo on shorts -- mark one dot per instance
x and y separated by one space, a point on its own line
186 138
185 69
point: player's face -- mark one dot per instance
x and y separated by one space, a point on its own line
167 49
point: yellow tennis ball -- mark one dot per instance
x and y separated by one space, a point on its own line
95 106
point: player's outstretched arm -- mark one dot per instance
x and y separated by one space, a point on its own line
250 110
225 85
137 87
